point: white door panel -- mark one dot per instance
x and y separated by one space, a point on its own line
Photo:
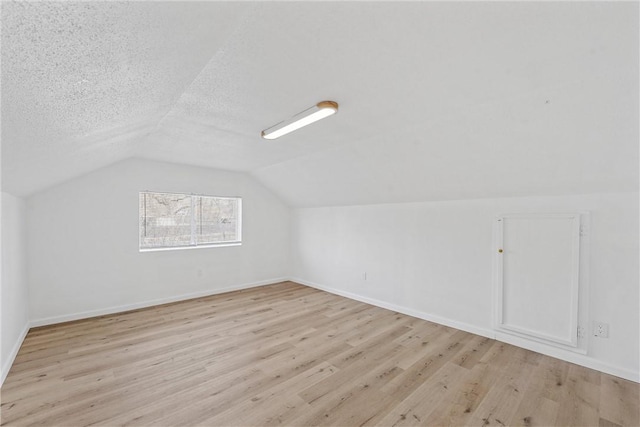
538 271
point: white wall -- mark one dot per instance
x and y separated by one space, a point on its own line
13 293
83 242
435 259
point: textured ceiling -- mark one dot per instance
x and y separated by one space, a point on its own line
437 100
84 82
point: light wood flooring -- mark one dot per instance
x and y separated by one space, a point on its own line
287 354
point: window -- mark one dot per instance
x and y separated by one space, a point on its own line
169 220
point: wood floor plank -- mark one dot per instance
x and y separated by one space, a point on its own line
287 354
505 395
351 402
459 403
535 409
259 409
428 397
619 401
580 400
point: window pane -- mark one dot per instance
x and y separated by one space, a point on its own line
165 220
217 220
182 220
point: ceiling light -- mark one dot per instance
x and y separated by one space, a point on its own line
319 111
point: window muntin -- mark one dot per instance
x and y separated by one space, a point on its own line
173 220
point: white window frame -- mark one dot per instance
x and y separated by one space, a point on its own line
193 244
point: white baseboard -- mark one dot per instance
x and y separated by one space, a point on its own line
6 366
149 303
400 309
558 353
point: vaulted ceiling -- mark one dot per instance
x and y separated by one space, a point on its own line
437 100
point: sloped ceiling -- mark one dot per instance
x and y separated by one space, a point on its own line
437 100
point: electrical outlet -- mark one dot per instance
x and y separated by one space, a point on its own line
364 276
601 329
580 332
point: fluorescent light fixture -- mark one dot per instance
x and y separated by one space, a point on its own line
319 111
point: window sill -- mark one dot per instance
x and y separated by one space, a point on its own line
180 248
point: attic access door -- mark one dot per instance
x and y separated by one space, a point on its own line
537 276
